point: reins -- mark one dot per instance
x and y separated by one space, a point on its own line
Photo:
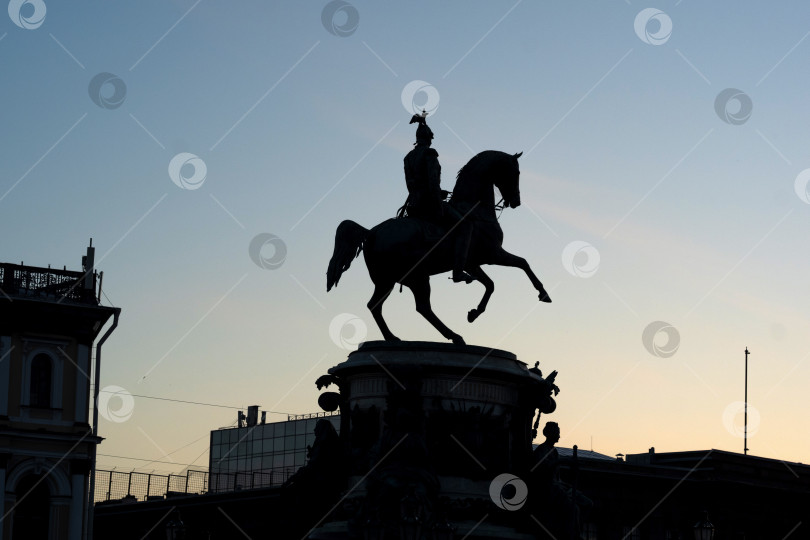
498 209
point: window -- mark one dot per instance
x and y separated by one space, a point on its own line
632 533
40 391
32 512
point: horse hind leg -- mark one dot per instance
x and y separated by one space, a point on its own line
381 293
421 295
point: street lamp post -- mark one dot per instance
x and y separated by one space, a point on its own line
745 420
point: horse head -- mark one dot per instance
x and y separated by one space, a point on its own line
489 168
508 182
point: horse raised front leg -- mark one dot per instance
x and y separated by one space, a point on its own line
381 292
489 287
420 288
504 258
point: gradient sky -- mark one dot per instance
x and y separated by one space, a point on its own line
685 210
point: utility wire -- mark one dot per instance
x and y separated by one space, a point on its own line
192 464
104 293
149 460
193 402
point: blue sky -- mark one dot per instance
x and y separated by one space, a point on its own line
696 222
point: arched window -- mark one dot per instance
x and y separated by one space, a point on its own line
41 375
32 512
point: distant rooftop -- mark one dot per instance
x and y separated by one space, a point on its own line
33 282
564 452
244 422
583 454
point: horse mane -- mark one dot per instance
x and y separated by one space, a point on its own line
476 167
478 164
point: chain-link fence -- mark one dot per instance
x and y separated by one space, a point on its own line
138 486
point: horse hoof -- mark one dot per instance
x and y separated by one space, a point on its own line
472 315
393 338
544 297
458 340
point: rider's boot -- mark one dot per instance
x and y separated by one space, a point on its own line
461 247
461 275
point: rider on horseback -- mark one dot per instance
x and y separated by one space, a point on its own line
425 196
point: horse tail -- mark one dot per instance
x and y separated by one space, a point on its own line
349 239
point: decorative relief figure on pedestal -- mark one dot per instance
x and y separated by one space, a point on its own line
542 392
553 501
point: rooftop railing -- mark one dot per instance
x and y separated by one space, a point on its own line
17 280
138 486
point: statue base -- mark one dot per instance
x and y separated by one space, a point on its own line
437 442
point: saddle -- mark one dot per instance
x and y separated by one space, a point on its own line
431 231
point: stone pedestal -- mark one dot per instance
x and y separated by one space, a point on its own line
426 428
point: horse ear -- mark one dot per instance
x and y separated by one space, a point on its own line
518 155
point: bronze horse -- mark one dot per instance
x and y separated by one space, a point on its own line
408 251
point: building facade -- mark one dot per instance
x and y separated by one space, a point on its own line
651 496
258 454
49 322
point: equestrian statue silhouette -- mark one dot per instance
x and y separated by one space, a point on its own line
431 236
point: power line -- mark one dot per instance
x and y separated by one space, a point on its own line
150 460
184 446
107 297
192 464
192 402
